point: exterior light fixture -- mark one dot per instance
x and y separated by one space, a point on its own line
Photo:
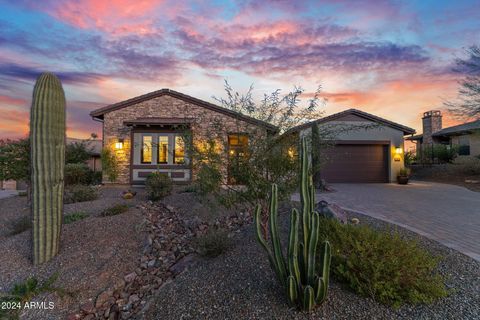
119 144
398 150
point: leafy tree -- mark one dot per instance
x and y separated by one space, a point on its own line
15 159
467 105
265 159
76 152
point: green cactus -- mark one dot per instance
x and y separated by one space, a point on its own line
47 139
298 273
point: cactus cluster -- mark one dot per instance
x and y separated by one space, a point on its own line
47 143
304 286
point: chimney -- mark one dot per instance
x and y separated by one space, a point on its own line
432 122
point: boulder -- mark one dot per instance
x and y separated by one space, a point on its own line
330 211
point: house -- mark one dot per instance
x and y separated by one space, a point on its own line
466 137
362 147
147 133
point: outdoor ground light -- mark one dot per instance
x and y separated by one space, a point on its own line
119 144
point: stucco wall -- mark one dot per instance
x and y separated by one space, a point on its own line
204 123
473 140
363 131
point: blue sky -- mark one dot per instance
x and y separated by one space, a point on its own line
377 56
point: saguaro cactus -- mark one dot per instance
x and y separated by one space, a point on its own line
305 287
47 142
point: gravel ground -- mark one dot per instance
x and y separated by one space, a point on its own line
94 253
241 285
14 208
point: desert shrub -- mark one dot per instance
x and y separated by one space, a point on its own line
467 165
21 225
75 216
188 189
76 173
80 193
382 264
110 164
114 210
76 152
94 177
26 291
208 180
409 158
158 185
213 243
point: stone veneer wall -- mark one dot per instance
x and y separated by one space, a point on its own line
166 107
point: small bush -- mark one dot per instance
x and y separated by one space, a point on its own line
26 291
213 243
467 165
80 193
113 211
76 216
21 225
94 178
208 180
76 173
382 265
158 186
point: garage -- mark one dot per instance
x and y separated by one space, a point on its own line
357 163
364 148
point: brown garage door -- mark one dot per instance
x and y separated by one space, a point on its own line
356 163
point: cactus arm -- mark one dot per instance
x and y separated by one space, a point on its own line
304 195
308 298
293 246
322 294
258 228
312 247
292 288
320 291
275 237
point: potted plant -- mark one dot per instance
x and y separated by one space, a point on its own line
403 176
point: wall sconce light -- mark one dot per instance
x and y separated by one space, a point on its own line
398 150
119 144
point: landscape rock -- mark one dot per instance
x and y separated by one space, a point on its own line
330 211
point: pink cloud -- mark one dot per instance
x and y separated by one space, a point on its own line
116 17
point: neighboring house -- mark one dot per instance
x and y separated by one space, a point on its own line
94 148
363 147
465 137
146 133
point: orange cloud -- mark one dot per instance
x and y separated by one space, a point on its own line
12 101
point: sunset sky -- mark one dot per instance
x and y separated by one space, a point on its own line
390 58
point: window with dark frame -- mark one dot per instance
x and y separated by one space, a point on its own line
162 149
237 153
146 152
179 150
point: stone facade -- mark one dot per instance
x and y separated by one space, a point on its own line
432 122
204 122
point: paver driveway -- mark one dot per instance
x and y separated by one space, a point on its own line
446 213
